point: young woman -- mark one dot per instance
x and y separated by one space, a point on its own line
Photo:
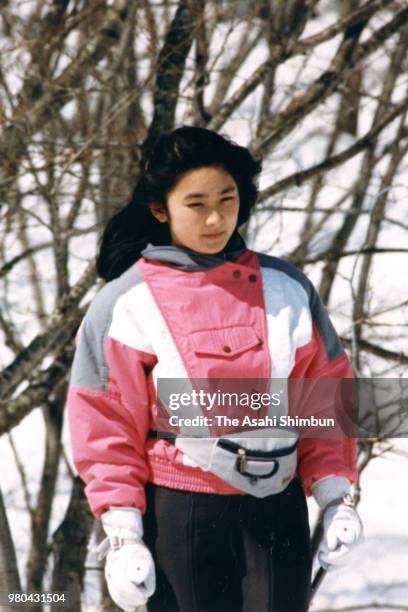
186 299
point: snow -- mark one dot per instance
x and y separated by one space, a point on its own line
377 572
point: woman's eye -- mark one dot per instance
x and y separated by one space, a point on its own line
195 204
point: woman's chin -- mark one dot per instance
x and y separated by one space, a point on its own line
213 243
207 245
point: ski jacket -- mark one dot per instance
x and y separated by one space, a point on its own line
179 314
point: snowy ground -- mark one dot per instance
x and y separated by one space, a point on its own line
378 572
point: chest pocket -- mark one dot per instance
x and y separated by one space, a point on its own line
227 352
224 342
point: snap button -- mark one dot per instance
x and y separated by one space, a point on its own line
252 278
226 349
236 274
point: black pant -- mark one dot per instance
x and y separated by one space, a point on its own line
219 553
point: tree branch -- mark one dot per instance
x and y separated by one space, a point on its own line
70 544
330 256
363 13
299 178
170 71
40 520
376 350
347 59
40 389
374 226
62 324
36 111
9 577
366 170
227 73
22 474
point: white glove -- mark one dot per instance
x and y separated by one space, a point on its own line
129 568
341 523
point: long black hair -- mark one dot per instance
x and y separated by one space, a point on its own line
128 232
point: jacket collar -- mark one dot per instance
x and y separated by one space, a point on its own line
186 259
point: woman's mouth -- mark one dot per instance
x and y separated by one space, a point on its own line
215 235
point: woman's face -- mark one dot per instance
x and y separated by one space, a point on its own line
202 209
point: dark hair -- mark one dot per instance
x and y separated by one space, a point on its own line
174 153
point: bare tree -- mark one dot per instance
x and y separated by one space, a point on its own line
317 88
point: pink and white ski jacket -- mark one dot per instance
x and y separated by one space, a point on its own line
173 314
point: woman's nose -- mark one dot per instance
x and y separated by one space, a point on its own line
214 218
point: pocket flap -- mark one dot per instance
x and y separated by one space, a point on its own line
225 341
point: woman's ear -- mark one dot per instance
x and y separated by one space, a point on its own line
158 212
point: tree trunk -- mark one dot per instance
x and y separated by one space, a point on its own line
9 577
69 548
